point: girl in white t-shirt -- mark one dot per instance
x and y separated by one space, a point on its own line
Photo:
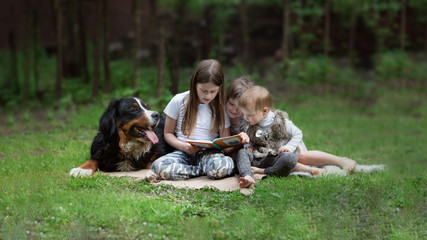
197 114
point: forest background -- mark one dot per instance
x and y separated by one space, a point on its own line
60 53
350 73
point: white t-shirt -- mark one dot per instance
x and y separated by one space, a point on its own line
175 110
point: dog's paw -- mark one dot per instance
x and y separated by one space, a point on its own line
80 172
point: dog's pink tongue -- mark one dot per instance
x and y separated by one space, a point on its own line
151 136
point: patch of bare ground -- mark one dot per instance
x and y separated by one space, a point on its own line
34 121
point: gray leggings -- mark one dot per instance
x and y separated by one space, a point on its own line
280 165
179 165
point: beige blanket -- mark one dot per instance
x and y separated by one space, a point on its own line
226 184
232 183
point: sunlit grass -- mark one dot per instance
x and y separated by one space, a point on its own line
39 200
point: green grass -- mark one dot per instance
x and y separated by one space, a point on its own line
39 200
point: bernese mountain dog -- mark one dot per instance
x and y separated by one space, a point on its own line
130 137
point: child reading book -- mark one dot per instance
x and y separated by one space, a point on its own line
197 114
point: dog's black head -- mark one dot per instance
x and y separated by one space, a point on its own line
130 136
130 119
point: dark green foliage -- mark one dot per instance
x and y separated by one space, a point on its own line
400 66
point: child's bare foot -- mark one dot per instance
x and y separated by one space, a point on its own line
256 170
318 171
246 182
348 165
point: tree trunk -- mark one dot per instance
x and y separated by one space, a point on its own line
27 61
82 43
97 49
353 23
137 41
327 28
73 46
14 77
245 32
285 36
161 62
36 53
403 26
425 41
161 48
206 34
59 57
106 54
176 46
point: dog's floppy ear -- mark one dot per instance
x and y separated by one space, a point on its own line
107 123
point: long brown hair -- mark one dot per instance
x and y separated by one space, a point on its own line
207 71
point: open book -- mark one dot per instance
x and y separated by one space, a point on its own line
219 143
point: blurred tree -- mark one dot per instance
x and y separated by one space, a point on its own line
222 11
343 8
379 16
403 26
82 48
309 14
97 48
37 52
158 19
326 33
13 78
137 18
200 13
285 36
420 9
27 49
180 7
71 40
245 32
10 85
59 56
32 51
106 44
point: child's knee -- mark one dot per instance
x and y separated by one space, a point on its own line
160 165
219 167
156 166
289 161
289 157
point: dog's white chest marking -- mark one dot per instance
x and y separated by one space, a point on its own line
132 151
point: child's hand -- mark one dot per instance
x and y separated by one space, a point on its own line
191 149
250 148
245 138
284 149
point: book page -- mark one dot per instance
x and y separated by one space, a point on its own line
219 143
230 141
201 143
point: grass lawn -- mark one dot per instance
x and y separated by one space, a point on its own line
39 200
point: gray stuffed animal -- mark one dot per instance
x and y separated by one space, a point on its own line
268 142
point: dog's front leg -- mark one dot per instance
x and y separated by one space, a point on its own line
88 168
